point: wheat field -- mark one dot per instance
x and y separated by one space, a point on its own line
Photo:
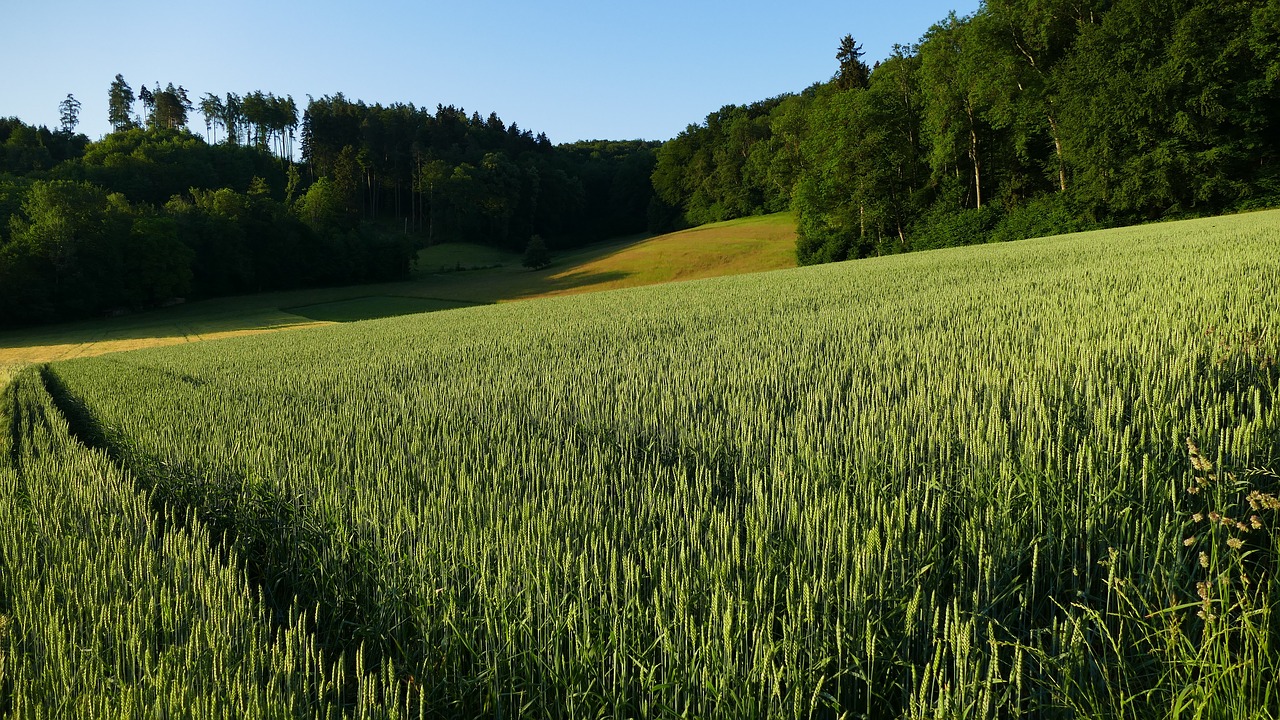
1031 479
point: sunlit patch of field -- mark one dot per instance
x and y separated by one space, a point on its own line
7 371
64 342
730 248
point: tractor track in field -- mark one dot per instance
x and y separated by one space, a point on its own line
170 508
247 523
30 424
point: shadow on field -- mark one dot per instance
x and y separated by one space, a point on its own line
580 279
373 307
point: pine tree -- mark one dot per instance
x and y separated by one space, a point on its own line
69 113
120 105
853 72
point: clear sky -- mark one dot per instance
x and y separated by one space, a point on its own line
573 69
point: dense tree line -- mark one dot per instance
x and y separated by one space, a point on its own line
1029 117
459 177
153 212
145 216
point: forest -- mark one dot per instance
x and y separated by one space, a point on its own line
154 213
1027 118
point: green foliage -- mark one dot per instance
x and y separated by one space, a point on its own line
943 227
536 255
154 166
181 217
1095 112
1052 214
615 182
26 149
120 105
377 181
69 114
853 72
325 204
168 108
856 195
723 169
76 250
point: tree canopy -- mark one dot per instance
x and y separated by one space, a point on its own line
1028 117
153 211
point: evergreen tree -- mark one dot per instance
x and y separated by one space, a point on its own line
148 102
169 107
853 72
212 109
69 114
120 105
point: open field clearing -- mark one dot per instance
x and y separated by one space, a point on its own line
740 246
1035 479
734 247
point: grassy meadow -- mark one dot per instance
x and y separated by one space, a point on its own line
739 246
1035 479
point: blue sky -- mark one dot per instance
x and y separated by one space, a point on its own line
576 70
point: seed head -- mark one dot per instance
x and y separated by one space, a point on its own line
1202 589
1197 460
1263 501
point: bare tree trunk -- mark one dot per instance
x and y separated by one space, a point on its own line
1057 147
973 153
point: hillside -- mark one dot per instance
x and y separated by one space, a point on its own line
1032 479
726 248
740 246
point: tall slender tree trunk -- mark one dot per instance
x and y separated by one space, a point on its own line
973 153
1057 148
